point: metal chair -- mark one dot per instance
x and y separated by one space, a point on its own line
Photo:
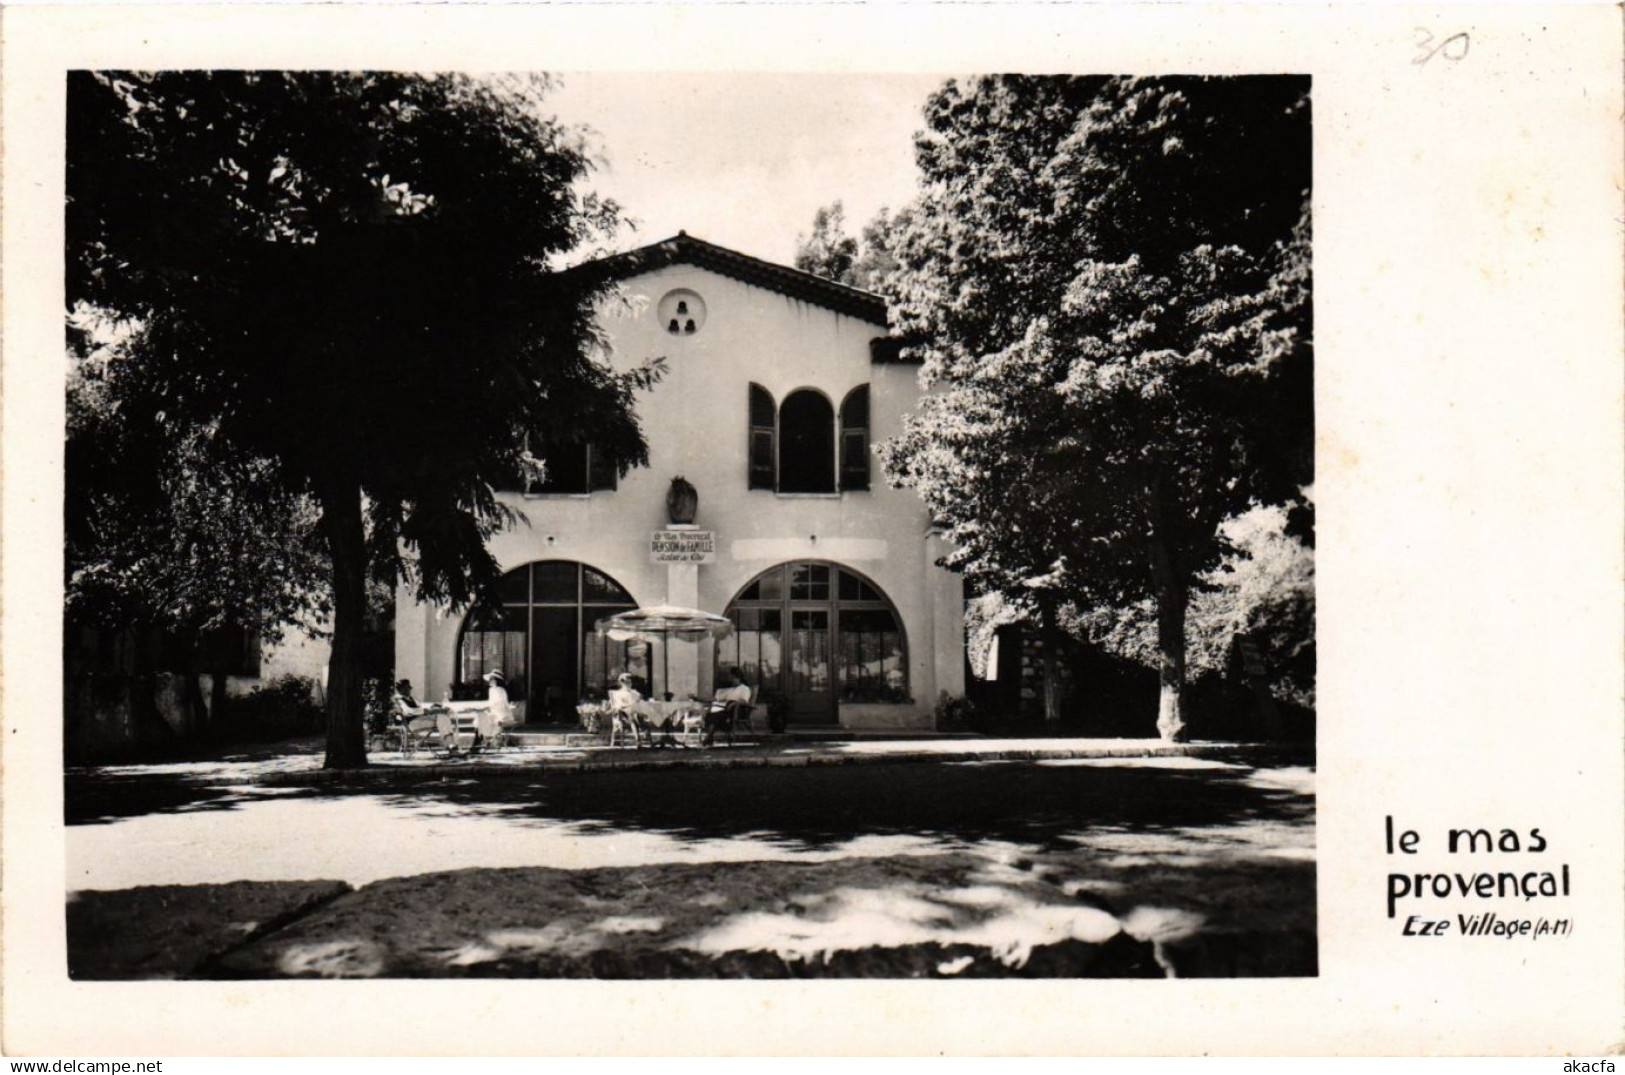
498 732
732 716
688 728
625 725
417 733
409 730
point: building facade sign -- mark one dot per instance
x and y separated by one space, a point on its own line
683 547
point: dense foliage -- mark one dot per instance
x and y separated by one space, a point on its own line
1262 591
174 540
168 527
827 250
867 262
1108 282
347 283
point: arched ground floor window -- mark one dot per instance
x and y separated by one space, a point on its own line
542 638
814 635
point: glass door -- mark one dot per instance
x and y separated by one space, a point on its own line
811 699
808 682
553 689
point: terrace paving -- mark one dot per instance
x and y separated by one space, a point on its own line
933 859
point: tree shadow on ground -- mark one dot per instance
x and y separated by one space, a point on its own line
948 915
97 797
1001 869
960 803
1034 803
953 915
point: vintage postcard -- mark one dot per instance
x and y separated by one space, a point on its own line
543 509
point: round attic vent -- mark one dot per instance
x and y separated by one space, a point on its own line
681 312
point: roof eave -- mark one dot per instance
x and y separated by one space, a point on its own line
683 248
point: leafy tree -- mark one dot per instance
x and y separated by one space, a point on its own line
877 260
1262 590
1108 280
828 251
354 277
867 262
168 531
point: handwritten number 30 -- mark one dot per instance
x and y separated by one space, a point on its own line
1452 48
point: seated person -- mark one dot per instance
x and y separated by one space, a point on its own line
736 692
498 711
418 719
625 697
623 703
404 701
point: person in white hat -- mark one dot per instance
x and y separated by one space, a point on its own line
496 704
624 701
625 697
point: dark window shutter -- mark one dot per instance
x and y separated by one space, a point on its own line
855 439
762 434
600 471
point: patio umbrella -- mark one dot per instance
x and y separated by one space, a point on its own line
664 622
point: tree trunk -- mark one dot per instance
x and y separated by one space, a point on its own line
346 544
1171 587
197 716
149 731
1049 636
197 709
1171 597
217 702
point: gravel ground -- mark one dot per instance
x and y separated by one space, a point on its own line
954 867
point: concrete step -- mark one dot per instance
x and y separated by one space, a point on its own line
564 735
575 738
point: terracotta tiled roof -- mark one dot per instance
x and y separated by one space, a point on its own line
683 248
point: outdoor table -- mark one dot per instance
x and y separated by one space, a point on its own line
485 719
684 717
463 720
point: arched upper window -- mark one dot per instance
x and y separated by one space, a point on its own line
855 439
797 446
542 637
806 443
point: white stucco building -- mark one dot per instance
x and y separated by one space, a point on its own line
778 384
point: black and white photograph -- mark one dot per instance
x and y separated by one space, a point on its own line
599 530
688 526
